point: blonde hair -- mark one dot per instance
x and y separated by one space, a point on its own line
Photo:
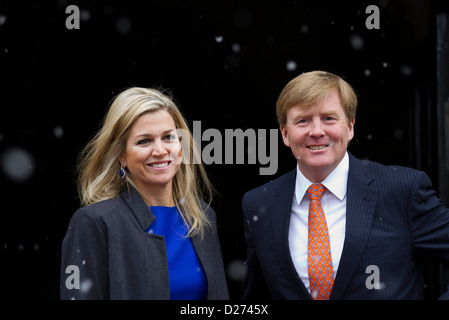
312 87
98 163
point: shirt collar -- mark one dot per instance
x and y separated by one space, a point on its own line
335 182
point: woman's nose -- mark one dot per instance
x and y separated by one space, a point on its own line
158 148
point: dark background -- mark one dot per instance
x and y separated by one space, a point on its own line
225 63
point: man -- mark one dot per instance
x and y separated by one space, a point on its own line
337 227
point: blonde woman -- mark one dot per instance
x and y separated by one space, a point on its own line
143 231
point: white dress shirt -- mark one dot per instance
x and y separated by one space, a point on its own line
334 207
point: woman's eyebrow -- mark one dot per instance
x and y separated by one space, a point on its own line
151 135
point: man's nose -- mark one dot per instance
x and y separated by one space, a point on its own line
316 129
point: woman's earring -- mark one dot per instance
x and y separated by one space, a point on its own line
121 172
180 150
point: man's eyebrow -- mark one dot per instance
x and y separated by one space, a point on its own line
306 114
330 113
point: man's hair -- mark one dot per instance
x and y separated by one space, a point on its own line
312 87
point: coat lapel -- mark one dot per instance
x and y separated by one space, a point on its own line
360 206
282 208
138 207
203 248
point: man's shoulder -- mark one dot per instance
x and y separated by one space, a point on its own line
387 175
377 168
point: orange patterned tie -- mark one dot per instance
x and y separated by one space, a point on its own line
319 258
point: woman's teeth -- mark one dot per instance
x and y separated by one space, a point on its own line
159 165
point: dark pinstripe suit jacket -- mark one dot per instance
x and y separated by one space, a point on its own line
392 217
117 259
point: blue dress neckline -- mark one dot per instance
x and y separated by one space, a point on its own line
186 274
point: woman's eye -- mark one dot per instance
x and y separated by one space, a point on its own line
143 141
170 137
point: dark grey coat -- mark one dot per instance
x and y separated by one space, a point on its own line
117 259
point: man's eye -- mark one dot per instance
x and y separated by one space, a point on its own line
301 121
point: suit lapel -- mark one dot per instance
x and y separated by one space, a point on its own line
282 207
361 200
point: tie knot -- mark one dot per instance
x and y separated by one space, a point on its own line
316 191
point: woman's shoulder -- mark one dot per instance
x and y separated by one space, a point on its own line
207 208
208 211
101 209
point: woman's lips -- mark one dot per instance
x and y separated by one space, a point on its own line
159 164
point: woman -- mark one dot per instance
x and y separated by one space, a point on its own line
143 231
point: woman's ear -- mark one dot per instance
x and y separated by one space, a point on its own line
122 161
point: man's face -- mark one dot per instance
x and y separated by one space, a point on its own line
318 136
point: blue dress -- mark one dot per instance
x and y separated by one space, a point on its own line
186 274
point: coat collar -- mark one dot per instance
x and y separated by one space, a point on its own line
138 206
203 245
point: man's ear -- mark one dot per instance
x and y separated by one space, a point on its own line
284 133
351 129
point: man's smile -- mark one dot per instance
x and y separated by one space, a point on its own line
318 147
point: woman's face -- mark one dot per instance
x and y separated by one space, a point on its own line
153 150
